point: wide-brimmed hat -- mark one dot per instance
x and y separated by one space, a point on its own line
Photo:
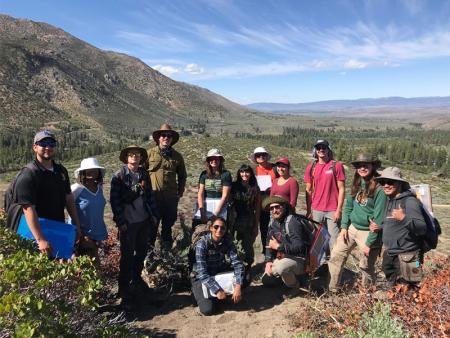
324 142
367 158
273 199
391 173
43 134
89 163
166 128
214 153
259 150
283 160
124 153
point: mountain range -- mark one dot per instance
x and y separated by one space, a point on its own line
49 77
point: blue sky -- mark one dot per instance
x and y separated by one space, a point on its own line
271 51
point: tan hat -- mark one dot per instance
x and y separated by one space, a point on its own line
124 153
273 199
259 150
367 158
391 173
214 153
166 128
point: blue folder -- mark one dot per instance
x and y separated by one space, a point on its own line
60 235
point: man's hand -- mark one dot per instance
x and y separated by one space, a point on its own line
274 244
268 269
344 234
44 246
221 295
237 296
337 216
398 214
308 214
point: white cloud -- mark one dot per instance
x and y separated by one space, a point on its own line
355 64
166 70
193 68
165 42
169 70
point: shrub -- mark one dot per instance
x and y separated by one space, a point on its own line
40 297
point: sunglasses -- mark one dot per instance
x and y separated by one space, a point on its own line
321 147
221 227
214 158
46 143
168 135
134 154
361 165
386 181
275 207
282 165
260 155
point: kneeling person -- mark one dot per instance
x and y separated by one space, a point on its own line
285 247
210 252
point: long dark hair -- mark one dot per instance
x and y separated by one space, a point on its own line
371 184
209 170
253 186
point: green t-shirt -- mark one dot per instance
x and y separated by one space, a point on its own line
214 185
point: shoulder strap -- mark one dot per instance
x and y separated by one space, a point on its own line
286 224
311 174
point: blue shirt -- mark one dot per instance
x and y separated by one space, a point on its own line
90 207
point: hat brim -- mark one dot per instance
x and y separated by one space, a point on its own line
389 177
102 170
376 163
157 133
124 153
271 200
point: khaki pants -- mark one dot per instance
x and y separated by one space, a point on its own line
288 269
342 249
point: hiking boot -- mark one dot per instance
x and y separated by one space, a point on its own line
292 293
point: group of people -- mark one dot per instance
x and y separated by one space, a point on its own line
380 210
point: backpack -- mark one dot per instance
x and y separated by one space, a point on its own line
13 210
430 239
199 232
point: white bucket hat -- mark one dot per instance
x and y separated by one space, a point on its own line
89 163
259 150
214 153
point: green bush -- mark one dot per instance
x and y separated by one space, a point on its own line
40 297
378 324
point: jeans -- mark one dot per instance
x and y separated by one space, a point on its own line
168 215
207 306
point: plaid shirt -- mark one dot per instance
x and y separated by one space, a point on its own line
210 260
122 180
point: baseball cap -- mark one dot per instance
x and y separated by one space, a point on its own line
43 134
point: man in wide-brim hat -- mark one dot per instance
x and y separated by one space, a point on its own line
134 212
168 176
285 246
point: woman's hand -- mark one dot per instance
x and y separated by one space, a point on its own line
374 227
344 234
398 214
274 244
366 251
237 296
221 295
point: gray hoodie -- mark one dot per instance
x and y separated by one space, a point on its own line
403 236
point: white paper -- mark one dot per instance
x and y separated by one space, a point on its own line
210 205
225 281
264 182
423 193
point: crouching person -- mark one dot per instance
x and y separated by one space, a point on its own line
210 252
403 226
134 212
285 247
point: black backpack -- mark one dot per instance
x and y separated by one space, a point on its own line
430 239
13 210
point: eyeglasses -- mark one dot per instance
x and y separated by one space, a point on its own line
168 135
260 155
321 147
275 207
386 181
219 227
46 143
134 154
362 165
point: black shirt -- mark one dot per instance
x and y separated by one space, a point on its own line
45 189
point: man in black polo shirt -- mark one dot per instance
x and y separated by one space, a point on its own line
45 191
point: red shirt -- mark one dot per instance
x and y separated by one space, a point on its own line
261 171
325 193
288 190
